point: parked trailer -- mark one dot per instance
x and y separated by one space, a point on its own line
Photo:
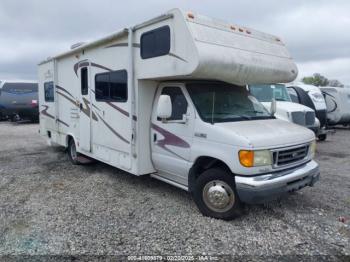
311 96
19 98
338 105
167 98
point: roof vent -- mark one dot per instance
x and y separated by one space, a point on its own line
76 45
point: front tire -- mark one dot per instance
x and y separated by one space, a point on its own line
216 196
72 152
322 137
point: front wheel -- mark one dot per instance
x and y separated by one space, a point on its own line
72 152
215 195
322 137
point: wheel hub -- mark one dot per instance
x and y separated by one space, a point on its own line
218 196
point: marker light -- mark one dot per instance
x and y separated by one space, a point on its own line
190 15
246 158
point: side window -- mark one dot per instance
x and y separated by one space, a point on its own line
49 92
178 101
84 81
155 42
293 95
112 86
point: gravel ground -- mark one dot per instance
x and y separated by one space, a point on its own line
50 207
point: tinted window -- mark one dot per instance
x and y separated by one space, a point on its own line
49 92
111 86
155 43
178 102
84 81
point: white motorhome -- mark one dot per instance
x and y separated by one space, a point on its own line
286 109
167 98
338 105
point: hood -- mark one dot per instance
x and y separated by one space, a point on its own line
288 107
269 133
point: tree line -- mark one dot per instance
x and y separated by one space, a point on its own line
320 80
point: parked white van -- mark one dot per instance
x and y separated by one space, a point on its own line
168 98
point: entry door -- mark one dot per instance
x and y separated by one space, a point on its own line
172 138
85 108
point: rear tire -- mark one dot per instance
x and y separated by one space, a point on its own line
322 137
72 152
216 196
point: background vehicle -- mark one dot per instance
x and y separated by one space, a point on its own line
19 99
338 105
286 109
123 100
311 96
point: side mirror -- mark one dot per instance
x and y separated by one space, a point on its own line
273 107
164 107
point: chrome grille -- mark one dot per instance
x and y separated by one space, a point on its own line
303 118
289 156
298 118
310 118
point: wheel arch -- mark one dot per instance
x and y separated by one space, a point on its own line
201 164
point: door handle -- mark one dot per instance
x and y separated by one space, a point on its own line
81 106
154 137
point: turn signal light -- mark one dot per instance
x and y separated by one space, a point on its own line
246 158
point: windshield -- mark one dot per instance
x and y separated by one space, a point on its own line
221 102
265 93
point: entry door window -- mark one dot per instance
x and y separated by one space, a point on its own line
178 101
84 81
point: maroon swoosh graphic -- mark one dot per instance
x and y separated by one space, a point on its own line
64 90
85 63
113 131
62 122
68 98
45 113
170 139
86 109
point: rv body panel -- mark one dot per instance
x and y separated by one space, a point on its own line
338 105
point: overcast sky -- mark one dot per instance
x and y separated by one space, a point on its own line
316 32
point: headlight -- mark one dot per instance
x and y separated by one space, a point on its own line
313 149
250 158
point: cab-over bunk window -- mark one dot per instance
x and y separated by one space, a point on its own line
111 86
155 42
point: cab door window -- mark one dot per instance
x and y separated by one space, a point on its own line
178 102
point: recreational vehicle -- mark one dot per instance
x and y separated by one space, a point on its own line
168 98
338 105
311 96
19 98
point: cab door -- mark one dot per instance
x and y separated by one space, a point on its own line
85 113
171 138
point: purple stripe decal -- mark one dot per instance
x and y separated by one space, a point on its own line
62 122
170 139
64 90
113 131
45 113
119 109
68 98
85 63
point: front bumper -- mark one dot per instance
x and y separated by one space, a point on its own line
263 188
